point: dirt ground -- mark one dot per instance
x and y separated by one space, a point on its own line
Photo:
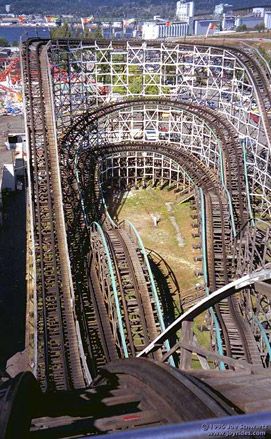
139 208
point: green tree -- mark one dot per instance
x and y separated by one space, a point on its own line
241 28
86 33
260 27
4 42
61 32
135 80
98 33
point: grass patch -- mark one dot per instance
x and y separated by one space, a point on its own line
138 208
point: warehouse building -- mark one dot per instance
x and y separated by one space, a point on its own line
152 30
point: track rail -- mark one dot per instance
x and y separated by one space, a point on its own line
238 337
255 70
59 365
101 284
136 285
119 281
59 359
127 394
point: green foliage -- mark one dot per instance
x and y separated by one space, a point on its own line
111 9
260 27
4 42
151 81
97 34
103 9
61 32
135 80
150 84
241 28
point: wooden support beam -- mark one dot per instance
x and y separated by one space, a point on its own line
187 338
237 364
263 288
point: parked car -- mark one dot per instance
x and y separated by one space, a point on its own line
151 134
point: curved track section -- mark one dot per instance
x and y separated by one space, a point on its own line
102 285
239 341
232 182
121 290
127 394
59 358
238 337
178 398
204 304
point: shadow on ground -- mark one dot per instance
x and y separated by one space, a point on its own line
12 276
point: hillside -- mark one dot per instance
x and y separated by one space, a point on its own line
115 8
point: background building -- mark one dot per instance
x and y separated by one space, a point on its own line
222 8
250 10
152 30
267 20
184 10
249 21
201 26
228 22
259 12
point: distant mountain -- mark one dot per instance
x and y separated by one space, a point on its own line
116 8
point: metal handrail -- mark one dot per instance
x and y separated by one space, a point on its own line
206 303
153 287
263 333
114 288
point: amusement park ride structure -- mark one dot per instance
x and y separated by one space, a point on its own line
11 85
130 114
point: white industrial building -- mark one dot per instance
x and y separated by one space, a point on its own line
206 26
184 10
222 8
250 21
219 9
267 20
259 12
152 30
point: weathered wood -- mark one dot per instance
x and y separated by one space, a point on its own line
129 420
187 337
219 375
214 356
263 288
